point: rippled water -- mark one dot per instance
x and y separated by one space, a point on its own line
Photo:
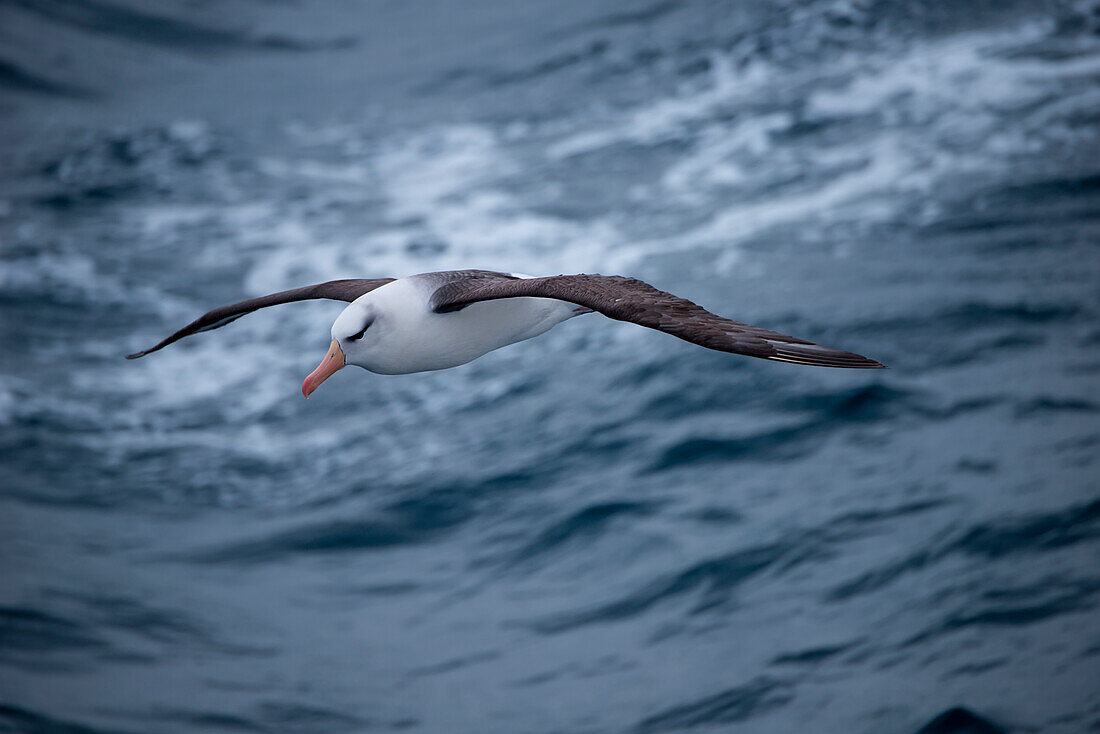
603 529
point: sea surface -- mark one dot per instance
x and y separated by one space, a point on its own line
603 529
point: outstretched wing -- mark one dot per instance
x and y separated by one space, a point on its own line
628 299
337 290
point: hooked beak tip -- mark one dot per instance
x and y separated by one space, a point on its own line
332 362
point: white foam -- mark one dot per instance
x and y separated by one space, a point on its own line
947 75
666 117
942 109
453 182
713 160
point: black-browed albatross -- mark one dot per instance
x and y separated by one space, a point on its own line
433 321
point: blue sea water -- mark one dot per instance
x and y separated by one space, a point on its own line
604 529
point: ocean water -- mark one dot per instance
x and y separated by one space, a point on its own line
603 529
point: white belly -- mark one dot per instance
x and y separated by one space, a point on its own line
415 339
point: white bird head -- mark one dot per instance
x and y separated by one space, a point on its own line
351 343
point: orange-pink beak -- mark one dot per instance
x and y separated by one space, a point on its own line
332 362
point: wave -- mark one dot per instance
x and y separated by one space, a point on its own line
136 26
732 705
31 722
15 77
990 540
713 582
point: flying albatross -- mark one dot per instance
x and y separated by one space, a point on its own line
433 321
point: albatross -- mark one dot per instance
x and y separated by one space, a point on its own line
433 321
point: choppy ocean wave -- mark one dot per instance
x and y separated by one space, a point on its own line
602 529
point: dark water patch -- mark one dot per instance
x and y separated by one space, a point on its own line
818 542
453 664
129 24
272 717
690 68
426 246
97 194
26 484
134 617
1091 339
864 518
123 164
970 316
813 655
730 706
1047 404
860 404
1033 534
165 627
828 412
814 128
581 525
22 721
1085 183
394 589
1011 342
961 407
97 154
554 64
824 414
716 515
691 397
1017 607
129 657
282 716
1079 443
1020 207
15 77
1051 597
878 402
642 15
880 577
960 721
717 577
205 720
490 77
987 227
975 668
972 465
537 680
276 42
24 630
982 349
401 523
781 444
989 541
328 537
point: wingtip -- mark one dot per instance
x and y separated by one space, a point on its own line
135 355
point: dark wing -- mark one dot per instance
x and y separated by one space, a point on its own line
337 290
627 299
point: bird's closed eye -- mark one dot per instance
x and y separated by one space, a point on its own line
357 337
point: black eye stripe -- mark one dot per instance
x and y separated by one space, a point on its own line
357 337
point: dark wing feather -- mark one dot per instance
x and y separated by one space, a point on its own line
337 290
628 299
